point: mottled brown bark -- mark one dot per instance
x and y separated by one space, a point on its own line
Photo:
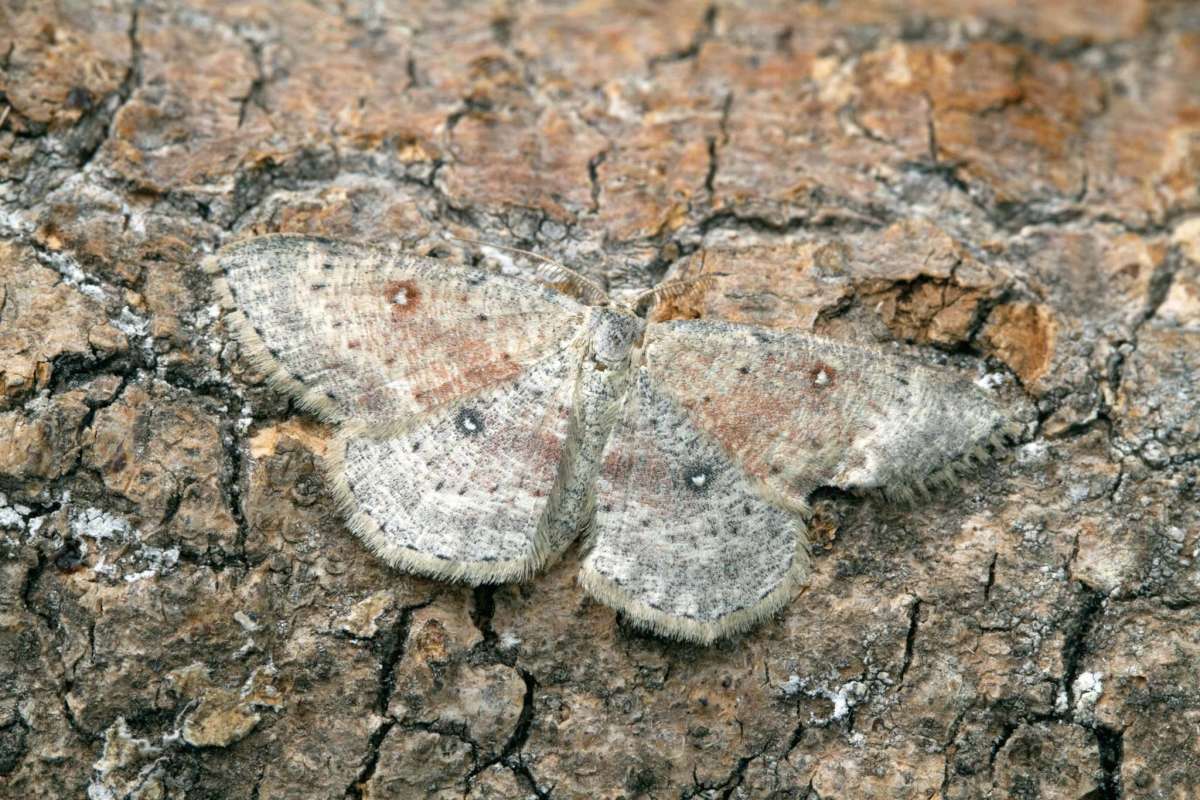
182 614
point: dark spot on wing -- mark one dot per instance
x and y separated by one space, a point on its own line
744 370
822 376
468 422
698 478
482 317
403 297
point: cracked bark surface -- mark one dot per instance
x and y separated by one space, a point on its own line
1005 189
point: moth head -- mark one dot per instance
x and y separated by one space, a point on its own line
614 334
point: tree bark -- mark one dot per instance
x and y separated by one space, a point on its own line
1008 190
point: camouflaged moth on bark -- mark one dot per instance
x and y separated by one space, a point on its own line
485 422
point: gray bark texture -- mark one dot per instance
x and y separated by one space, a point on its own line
1009 187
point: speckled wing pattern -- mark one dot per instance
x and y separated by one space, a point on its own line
727 431
684 541
796 412
467 491
453 387
362 332
484 421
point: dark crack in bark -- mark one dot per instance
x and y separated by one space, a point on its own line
1112 748
705 32
105 119
715 143
910 639
1079 627
392 644
255 93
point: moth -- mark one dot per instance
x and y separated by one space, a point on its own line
485 422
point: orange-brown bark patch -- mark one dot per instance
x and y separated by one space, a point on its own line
1023 336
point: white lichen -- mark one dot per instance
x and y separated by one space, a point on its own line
792 686
1087 687
100 526
10 517
158 561
114 774
1032 453
990 380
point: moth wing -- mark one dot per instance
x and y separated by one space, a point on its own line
727 430
453 389
683 543
470 491
796 412
365 333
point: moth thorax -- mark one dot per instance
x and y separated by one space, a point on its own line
613 335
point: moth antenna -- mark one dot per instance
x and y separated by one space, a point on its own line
677 287
587 289
674 288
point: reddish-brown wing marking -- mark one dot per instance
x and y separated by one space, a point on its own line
468 491
453 388
366 333
797 412
684 543
728 426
